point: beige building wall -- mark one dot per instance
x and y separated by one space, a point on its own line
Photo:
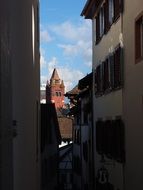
133 99
108 106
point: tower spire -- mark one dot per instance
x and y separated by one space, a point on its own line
55 79
55 75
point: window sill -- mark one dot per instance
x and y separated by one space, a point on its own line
108 91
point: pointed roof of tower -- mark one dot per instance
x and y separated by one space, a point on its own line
55 75
62 84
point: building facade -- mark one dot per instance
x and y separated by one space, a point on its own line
65 168
19 95
50 140
117 96
80 98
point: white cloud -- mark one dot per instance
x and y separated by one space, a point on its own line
73 32
75 41
67 74
51 65
42 61
43 80
69 49
78 40
81 48
70 76
45 36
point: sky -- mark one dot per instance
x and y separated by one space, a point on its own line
65 41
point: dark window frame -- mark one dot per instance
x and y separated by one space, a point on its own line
110 139
109 74
139 38
107 14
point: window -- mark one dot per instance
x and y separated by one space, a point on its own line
106 82
97 29
99 79
139 38
111 65
106 19
117 9
111 11
101 19
110 139
108 14
109 74
118 67
56 81
100 25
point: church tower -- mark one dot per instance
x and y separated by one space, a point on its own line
55 90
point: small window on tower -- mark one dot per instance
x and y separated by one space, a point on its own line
60 94
57 94
56 81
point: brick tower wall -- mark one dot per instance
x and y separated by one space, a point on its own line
57 95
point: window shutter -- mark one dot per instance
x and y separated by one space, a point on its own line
101 21
121 6
97 29
118 68
106 17
111 59
106 75
116 9
121 67
119 153
99 79
99 137
111 11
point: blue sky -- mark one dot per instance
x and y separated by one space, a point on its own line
65 41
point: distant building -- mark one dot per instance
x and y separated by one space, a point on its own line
55 93
81 99
65 124
65 168
50 140
55 90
